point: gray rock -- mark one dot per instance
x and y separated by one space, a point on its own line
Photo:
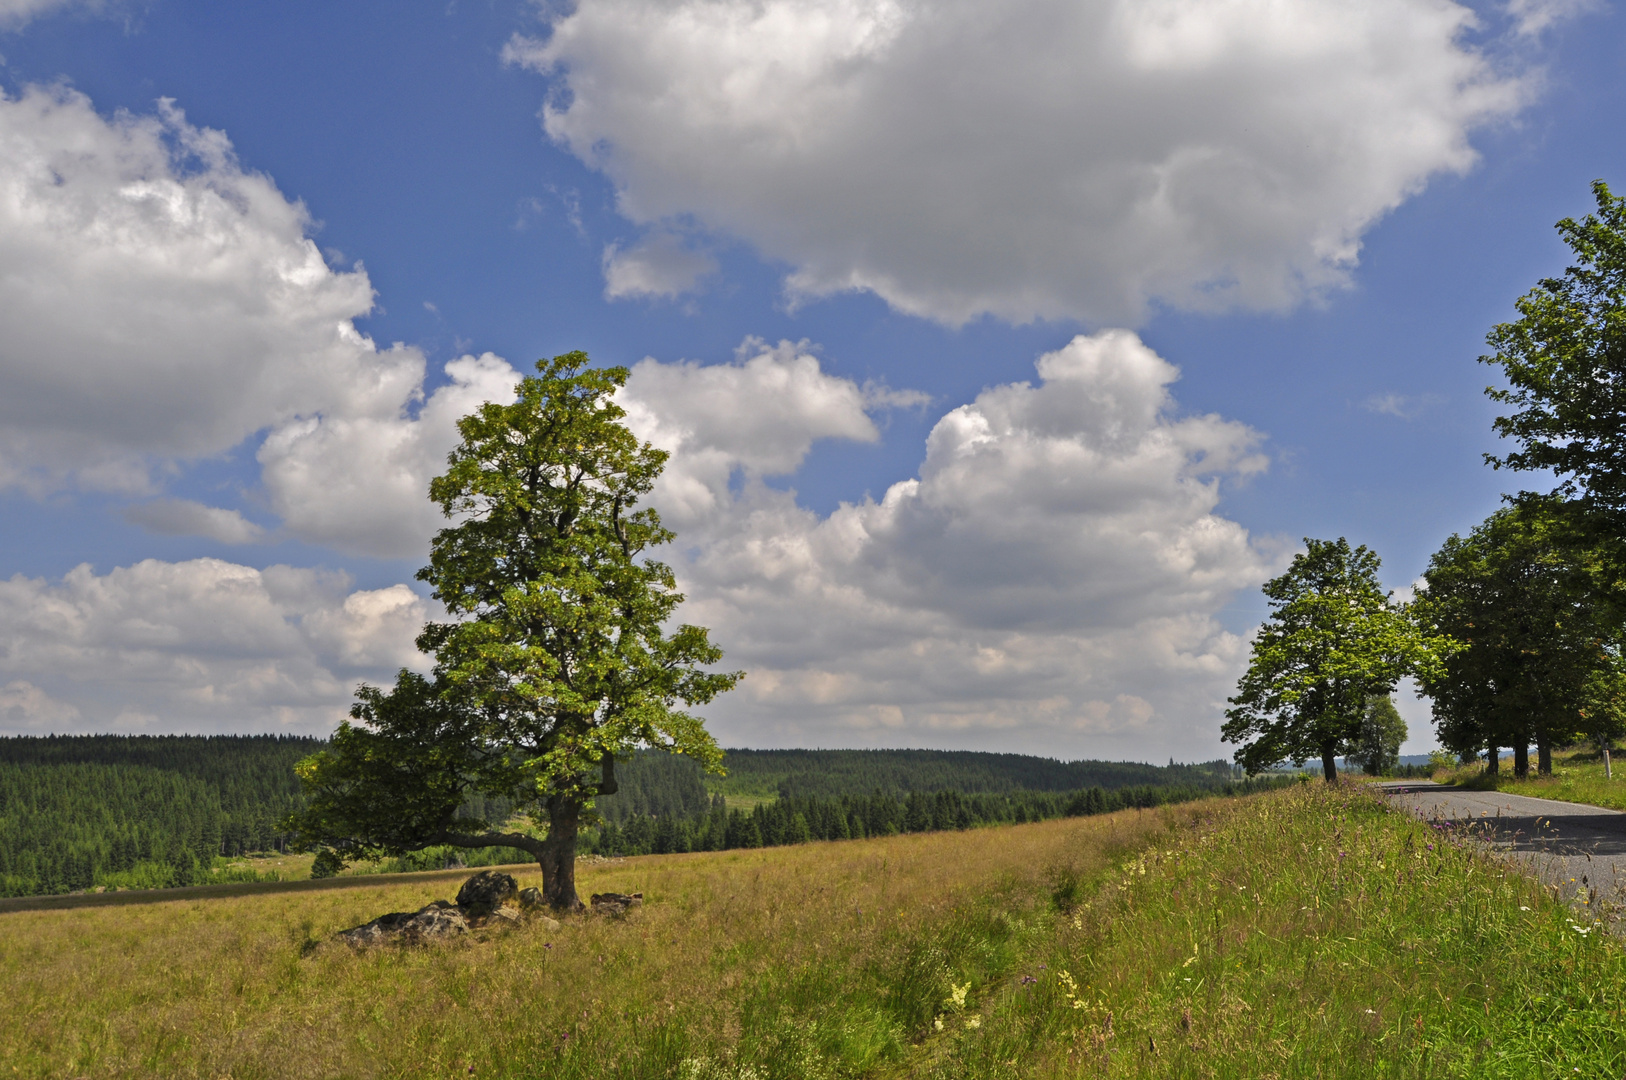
611 903
485 892
434 922
437 920
531 899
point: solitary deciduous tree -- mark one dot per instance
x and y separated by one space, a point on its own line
1332 641
556 660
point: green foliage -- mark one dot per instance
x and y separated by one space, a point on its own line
795 820
557 660
1383 730
252 775
657 785
1532 594
1565 362
1332 641
65 828
139 812
561 638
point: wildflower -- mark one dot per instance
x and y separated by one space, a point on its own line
957 995
973 1022
1028 980
938 1023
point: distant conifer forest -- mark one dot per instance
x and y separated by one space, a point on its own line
154 811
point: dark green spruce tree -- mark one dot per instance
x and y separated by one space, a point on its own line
555 661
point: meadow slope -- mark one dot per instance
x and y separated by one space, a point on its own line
1308 932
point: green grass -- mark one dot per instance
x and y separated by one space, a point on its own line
1308 932
1577 777
1311 933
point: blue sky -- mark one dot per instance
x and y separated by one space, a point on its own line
918 200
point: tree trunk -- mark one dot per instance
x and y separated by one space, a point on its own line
1521 759
1544 756
1493 761
1329 763
558 857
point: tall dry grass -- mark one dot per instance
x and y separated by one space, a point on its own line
811 960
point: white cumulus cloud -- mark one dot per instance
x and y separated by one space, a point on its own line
659 264
1050 580
183 517
1035 158
361 483
159 302
24 707
198 646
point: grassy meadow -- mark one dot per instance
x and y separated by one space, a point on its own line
1307 932
1577 777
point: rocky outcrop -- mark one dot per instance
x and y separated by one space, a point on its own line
614 903
480 905
486 891
437 920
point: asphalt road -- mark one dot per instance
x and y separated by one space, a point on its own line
1579 850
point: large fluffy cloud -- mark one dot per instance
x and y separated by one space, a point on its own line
1050 580
158 302
361 483
1030 158
196 646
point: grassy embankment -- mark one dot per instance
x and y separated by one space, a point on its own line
1577 777
1302 933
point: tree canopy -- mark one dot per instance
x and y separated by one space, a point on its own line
1377 748
556 660
1565 362
1531 594
1333 639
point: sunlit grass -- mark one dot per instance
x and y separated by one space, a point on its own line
1310 933
833 952
1303 933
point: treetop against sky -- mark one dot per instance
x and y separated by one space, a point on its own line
1002 351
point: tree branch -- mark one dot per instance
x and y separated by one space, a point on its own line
468 840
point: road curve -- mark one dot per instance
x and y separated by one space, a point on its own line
1577 849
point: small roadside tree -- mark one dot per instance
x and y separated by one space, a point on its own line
1377 748
1333 640
557 659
